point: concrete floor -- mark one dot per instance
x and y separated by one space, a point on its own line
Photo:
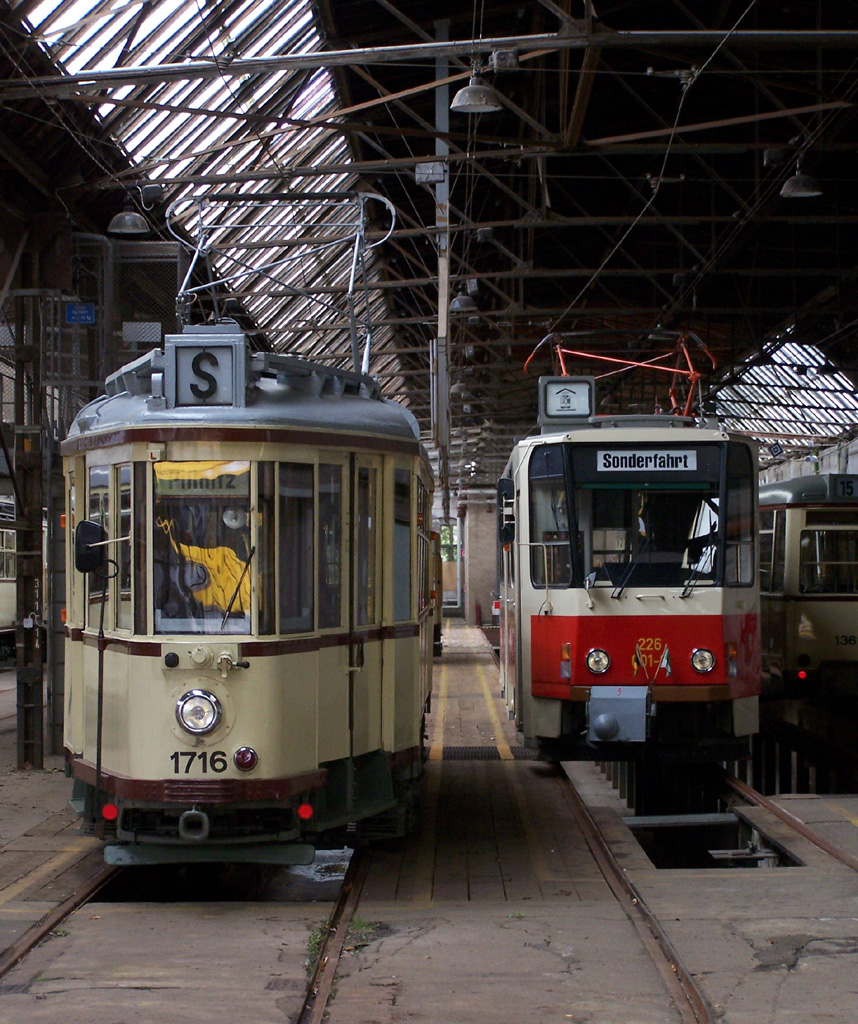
493 911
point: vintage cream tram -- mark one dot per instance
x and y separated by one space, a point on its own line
809 585
249 619
630 601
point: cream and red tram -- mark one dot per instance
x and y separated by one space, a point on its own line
630 604
249 619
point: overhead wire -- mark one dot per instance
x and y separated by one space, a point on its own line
656 180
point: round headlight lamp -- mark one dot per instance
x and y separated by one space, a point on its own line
198 711
598 661
702 660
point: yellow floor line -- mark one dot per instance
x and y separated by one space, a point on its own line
538 863
436 751
497 727
68 856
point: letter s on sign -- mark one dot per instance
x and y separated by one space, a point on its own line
211 381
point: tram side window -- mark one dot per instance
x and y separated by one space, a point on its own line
741 522
7 539
122 548
549 519
401 544
266 565
365 541
330 546
779 555
424 561
767 537
828 563
139 563
296 547
98 509
201 547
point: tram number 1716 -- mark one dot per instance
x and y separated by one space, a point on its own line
214 761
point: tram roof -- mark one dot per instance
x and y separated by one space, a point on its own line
803 490
280 392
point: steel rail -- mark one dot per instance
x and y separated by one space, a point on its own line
690 1003
314 1009
752 796
37 932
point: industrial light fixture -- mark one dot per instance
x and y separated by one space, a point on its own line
463 303
129 223
800 186
477 97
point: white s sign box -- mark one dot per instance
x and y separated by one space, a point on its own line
205 366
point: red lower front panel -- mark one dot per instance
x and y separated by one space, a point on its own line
644 650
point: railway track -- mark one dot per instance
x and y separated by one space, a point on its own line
319 986
689 1001
751 796
52 921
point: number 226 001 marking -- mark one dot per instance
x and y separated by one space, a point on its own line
206 762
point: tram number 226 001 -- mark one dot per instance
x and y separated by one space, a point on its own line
205 762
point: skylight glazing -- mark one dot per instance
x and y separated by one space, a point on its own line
200 127
791 398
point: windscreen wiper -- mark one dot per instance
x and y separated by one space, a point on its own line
247 562
627 575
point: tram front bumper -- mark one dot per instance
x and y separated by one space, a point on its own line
618 714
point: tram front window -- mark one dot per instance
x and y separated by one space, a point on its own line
654 526
202 548
650 537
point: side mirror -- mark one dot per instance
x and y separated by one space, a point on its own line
506 510
87 556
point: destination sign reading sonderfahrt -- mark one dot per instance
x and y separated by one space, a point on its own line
647 460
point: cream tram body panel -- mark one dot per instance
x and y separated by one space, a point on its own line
323 656
809 577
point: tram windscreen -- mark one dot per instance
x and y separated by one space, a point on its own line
640 516
202 547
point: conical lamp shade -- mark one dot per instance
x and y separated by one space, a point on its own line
801 186
476 98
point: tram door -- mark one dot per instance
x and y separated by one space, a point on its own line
365 649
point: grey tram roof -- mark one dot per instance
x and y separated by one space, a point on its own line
807 490
282 391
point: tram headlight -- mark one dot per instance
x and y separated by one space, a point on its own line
702 660
598 661
198 711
